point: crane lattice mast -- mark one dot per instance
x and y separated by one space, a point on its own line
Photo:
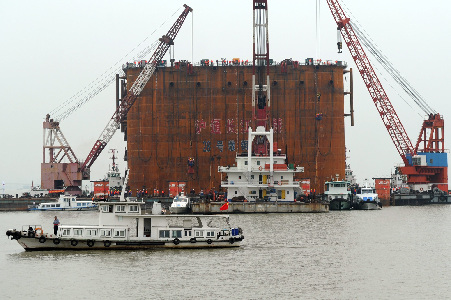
261 94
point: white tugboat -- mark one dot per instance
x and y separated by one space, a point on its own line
66 202
122 226
338 194
262 174
367 198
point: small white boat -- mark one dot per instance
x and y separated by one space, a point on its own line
66 202
180 205
367 198
124 226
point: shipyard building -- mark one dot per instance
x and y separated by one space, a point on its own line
190 119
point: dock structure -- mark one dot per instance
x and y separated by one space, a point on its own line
259 207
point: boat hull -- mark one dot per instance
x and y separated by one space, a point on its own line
179 210
340 204
35 245
368 205
51 242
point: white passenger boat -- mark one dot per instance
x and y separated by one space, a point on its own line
123 225
180 204
66 202
367 198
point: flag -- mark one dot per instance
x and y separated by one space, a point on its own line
225 206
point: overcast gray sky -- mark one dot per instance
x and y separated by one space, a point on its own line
52 49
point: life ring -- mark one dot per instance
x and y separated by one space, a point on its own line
42 239
40 229
107 243
231 240
90 243
56 241
421 189
74 242
260 168
192 240
176 241
209 241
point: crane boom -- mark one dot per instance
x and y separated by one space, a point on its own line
383 105
121 112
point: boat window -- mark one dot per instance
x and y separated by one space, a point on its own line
252 176
91 232
258 162
133 208
245 162
176 233
66 232
105 232
104 208
78 232
119 233
210 233
120 208
239 177
187 232
78 204
164 233
58 205
198 233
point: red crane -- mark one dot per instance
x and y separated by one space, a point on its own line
420 167
121 112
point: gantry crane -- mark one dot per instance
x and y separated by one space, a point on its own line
79 171
425 167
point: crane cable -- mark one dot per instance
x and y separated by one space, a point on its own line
105 79
395 74
389 67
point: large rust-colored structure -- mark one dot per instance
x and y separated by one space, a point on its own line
203 113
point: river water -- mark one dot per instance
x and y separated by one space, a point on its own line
394 253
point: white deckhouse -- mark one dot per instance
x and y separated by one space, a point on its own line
262 174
